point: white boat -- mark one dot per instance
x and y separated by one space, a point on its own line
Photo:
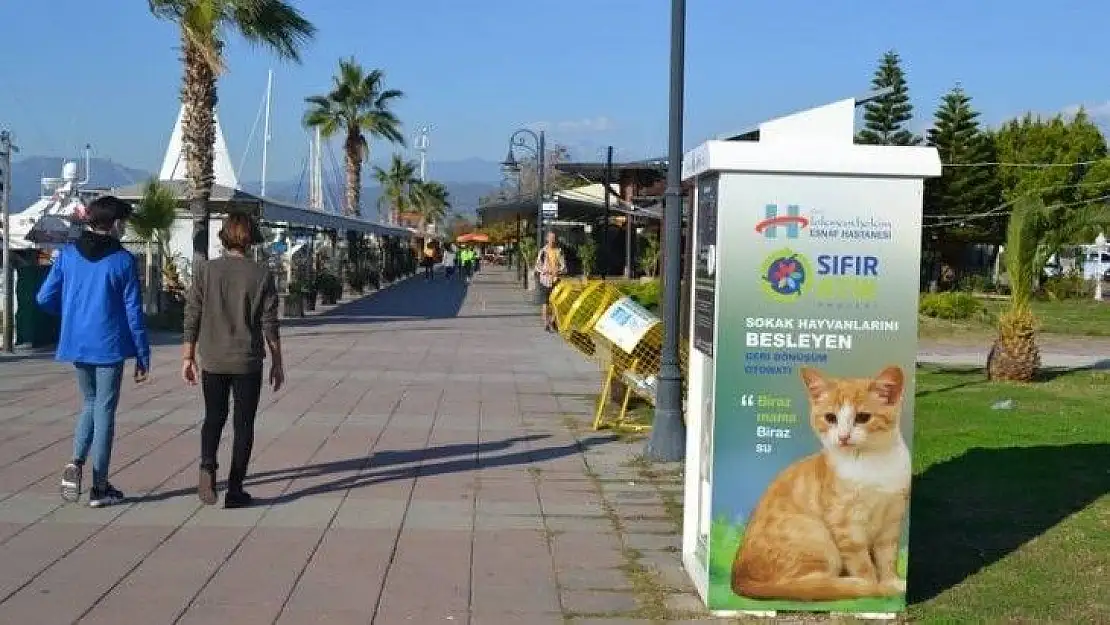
51 220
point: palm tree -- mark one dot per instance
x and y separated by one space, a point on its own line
431 202
357 106
397 184
1014 354
151 224
205 26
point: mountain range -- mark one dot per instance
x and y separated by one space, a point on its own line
466 180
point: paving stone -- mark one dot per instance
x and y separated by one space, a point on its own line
593 602
684 603
653 542
419 446
594 579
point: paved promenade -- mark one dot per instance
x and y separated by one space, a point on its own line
428 462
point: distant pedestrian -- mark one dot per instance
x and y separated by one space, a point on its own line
468 262
449 262
231 317
429 261
94 286
550 267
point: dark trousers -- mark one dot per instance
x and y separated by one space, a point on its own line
218 388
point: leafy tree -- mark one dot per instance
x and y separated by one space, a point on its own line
1075 194
459 225
885 119
397 183
205 26
525 182
968 185
358 105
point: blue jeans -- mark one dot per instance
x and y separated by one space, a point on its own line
96 425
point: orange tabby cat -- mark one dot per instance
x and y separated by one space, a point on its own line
829 526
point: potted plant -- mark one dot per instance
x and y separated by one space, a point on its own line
331 289
356 279
310 294
587 255
293 305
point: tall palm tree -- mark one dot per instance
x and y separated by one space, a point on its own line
205 26
431 202
151 224
397 184
358 105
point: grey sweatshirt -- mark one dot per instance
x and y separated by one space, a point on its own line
230 312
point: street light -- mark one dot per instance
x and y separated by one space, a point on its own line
518 140
668 431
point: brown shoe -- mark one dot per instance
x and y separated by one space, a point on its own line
206 486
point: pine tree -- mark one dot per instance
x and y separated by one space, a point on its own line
969 191
885 118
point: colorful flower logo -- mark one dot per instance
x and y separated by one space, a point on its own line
785 275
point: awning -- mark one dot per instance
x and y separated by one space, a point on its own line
225 200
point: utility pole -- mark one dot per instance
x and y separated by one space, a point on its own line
668 432
421 145
7 148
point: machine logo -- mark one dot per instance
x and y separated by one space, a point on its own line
792 222
785 275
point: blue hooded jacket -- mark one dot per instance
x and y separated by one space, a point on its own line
94 286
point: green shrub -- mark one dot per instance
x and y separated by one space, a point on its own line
975 283
954 305
329 286
357 278
645 294
1068 286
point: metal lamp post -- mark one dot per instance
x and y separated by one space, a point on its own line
1100 246
7 149
518 140
668 432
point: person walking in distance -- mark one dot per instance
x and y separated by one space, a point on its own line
231 317
94 286
429 261
449 261
550 266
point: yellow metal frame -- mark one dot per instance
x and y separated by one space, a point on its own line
578 305
621 422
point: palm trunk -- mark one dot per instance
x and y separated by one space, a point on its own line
354 175
198 129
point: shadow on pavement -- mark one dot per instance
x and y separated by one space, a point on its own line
412 299
363 471
971 511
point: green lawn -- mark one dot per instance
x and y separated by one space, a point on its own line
1067 317
1011 508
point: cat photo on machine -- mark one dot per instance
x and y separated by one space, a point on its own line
829 526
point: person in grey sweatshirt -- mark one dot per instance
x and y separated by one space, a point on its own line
231 317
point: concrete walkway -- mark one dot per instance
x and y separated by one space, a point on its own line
427 463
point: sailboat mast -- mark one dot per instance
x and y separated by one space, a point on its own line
266 129
317 173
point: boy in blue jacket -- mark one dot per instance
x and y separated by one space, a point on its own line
94 286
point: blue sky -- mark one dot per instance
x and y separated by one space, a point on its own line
593 71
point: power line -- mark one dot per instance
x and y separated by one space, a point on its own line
1000 208
1029 165
963 221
